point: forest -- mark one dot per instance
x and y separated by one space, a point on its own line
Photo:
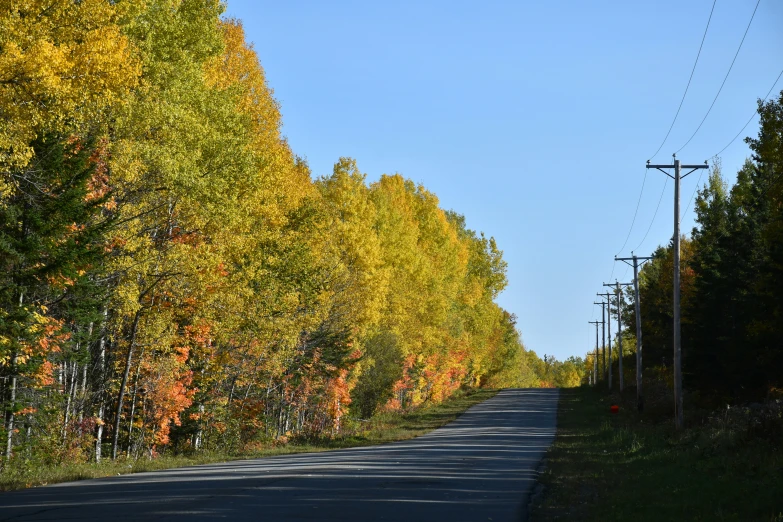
731 284
174 278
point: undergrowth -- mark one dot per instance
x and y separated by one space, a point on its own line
726 464
384 427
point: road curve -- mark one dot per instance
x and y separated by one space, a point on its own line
480 467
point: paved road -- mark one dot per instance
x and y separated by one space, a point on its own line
480 467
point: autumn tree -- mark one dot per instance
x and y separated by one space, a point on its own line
175 278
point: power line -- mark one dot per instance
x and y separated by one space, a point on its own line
679 108
654 215
634 217
724 79
689 81
755 113
676 115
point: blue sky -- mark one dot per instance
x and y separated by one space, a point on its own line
533 119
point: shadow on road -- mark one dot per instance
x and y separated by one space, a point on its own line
480 467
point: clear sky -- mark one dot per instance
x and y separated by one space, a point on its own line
533 119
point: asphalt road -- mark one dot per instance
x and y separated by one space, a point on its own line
480 467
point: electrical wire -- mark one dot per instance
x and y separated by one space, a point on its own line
674 120
634 214
689 81
627 268
633 221
676 115
679 108
724 79
666 182
755 113
753 116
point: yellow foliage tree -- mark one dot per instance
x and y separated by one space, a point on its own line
62 63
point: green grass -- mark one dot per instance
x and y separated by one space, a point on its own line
383 428
632 466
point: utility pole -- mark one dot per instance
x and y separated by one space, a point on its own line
678 417
617 286
603 335
637 304
609 330
595 359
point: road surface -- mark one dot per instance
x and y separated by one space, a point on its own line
480 467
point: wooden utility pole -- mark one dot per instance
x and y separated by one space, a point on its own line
603 335
637 305
617 286
595 359
678 417
608 337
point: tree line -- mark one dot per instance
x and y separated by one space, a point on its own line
175 278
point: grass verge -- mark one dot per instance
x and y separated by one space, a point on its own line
383 428
631 466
